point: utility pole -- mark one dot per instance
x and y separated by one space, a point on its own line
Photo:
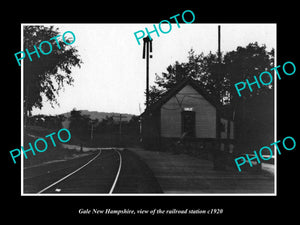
92 128
140 124
147 47
218 154
120 126
219 65
219 42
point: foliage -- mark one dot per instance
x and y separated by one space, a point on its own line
50 122
80 125
47 75
244 63
218 76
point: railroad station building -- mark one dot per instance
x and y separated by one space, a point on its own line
188 115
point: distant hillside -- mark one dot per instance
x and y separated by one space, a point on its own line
101 115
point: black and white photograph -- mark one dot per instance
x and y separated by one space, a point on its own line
145 111
148 117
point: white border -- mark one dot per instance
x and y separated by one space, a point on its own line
163 194
22 113
275 116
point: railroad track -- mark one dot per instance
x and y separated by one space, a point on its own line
98 173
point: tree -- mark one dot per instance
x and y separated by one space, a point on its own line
154 94
199 67
254 111
80 125
174 73
244 63
219 75
47 75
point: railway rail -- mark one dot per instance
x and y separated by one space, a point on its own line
98 174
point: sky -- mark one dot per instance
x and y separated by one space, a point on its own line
112 77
